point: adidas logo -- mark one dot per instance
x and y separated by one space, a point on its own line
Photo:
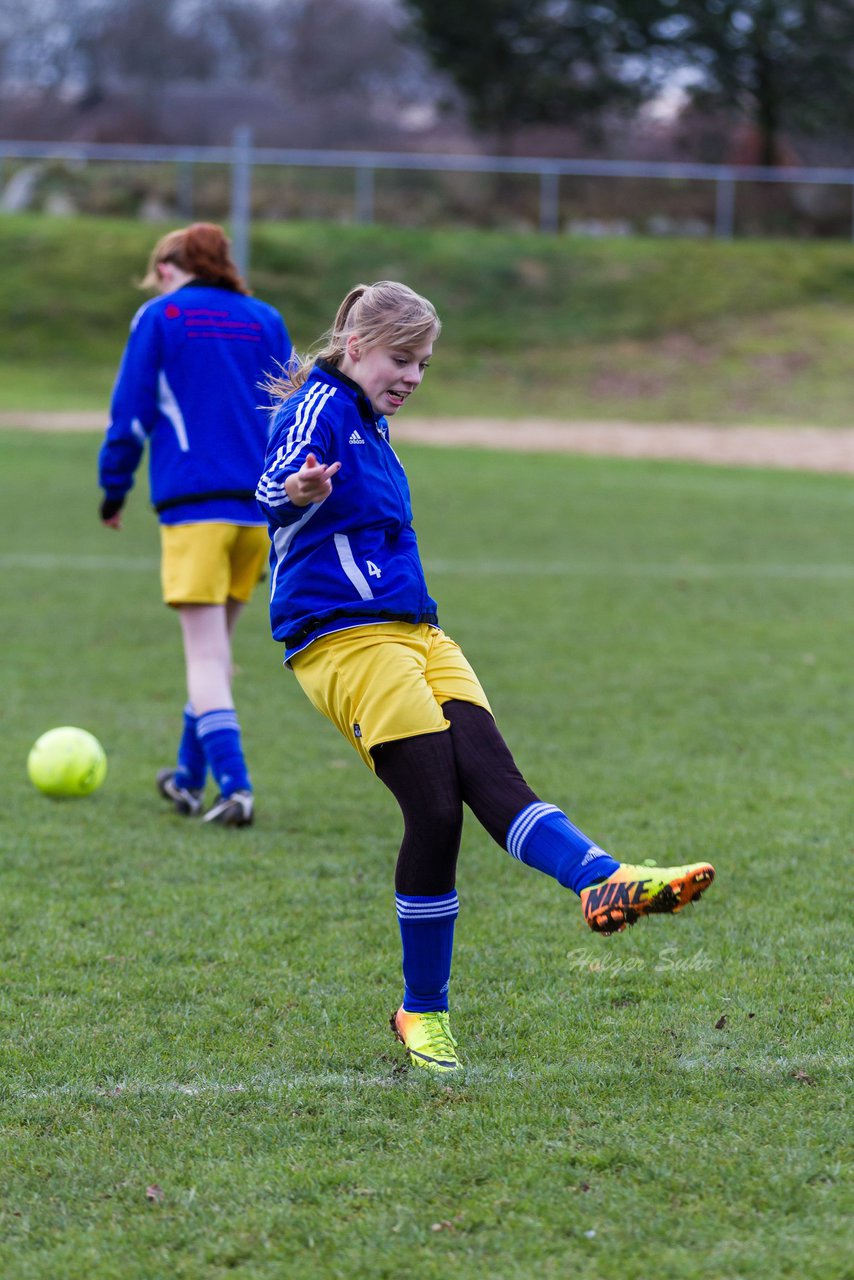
355 438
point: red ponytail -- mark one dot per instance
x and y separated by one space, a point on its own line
202 250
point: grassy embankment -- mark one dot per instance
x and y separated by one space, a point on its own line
756 332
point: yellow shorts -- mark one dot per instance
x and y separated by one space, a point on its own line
210 562
386 681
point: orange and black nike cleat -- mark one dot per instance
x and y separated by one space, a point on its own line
632 892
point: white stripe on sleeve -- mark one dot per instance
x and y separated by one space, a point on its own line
270 491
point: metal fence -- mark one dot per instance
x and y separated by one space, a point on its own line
241 158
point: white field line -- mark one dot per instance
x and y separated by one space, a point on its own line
96 564
50 562
281 1082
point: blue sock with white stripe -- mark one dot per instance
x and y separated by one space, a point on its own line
542 836
427 934
219 734
192 763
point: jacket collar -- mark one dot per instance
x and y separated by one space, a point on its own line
363 404
198 283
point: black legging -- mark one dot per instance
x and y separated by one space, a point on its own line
432 776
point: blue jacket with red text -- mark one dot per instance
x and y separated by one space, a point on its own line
189 383
353 558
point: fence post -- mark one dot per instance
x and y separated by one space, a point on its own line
725 207
364 194
185 184
549 202
241 185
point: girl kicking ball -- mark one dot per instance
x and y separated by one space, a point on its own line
361 633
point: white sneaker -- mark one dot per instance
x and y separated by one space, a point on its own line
236 810
185 801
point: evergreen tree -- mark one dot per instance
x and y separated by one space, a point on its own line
518 62
783 64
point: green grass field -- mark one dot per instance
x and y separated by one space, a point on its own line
643 329
668 650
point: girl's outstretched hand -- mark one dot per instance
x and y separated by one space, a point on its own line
312 483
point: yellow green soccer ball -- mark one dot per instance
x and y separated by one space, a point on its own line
67 762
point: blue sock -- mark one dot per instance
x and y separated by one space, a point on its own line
542 836
192 763
219 734
427 934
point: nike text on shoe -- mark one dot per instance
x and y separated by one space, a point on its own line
632 892
185 801
427 1038
236 810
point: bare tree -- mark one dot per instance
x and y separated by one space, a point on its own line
331 74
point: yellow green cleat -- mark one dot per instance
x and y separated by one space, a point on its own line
427 1038
632 892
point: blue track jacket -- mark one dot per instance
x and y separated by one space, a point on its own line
353 558
189 382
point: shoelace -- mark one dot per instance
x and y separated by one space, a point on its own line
438 1034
